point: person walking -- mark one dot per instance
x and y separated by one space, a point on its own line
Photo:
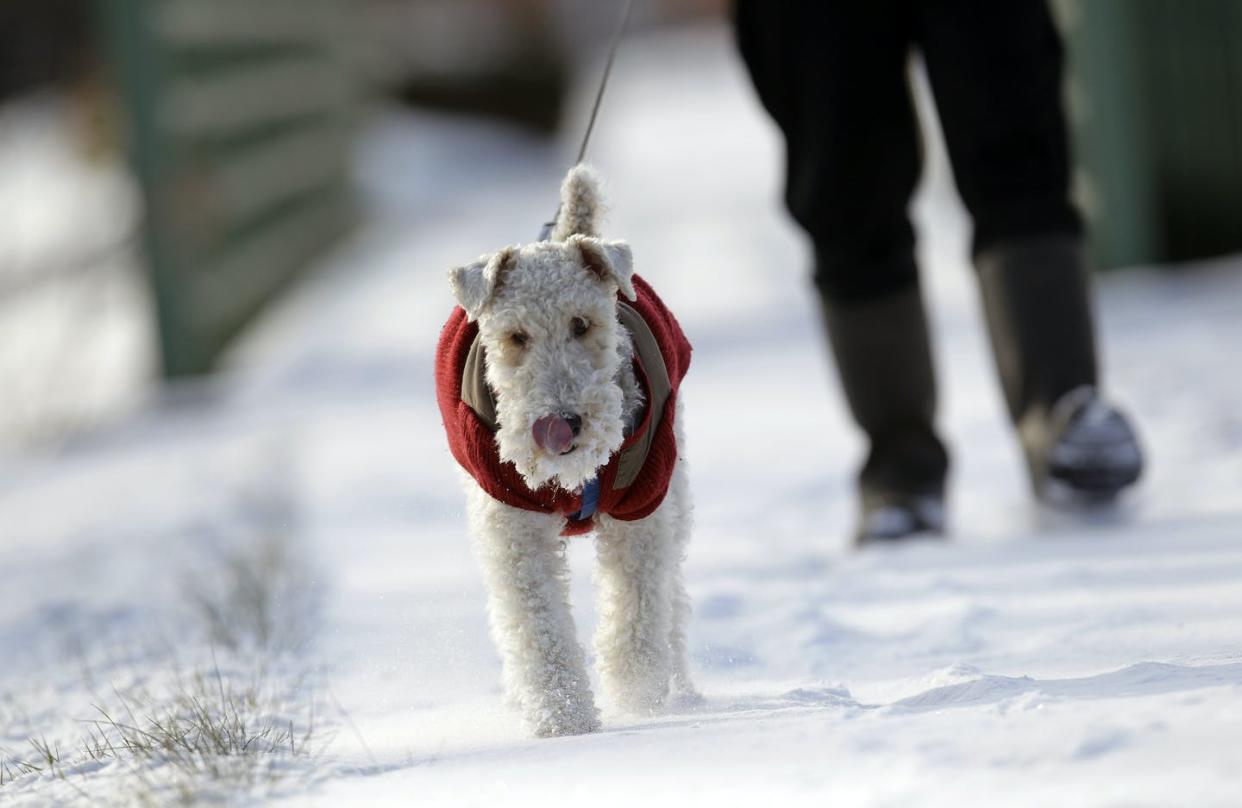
833 74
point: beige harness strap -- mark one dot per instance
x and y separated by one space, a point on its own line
630 462
478 395
475 390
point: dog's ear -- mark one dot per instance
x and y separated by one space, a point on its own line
475 284
609 260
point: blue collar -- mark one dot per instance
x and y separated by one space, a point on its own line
590 501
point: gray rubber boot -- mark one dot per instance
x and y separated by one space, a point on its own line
884 362
1036 296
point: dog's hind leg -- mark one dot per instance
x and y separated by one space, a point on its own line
523 560
635 576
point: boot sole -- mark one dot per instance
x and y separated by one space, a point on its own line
1080 488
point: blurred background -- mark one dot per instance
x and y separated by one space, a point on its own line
224 231
169 169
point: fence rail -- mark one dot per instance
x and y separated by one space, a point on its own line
240 115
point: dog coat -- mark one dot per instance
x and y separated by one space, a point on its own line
634 481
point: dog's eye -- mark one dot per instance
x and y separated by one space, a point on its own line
579 326
519 338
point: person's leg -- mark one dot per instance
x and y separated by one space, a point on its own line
884 361
995 71
833 74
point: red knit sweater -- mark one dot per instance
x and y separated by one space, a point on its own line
473 444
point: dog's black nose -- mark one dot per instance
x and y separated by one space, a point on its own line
575 422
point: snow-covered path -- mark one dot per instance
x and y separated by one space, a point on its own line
1029 660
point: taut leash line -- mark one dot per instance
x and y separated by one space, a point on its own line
603 80
617 34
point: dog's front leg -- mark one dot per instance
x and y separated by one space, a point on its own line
681 516
635 575
523 559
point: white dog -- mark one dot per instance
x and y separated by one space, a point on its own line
557 377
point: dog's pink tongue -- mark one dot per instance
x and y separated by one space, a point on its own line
553 434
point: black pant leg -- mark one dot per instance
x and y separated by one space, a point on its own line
995 71
833 75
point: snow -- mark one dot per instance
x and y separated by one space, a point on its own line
1032 659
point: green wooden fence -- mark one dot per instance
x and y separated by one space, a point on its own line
238 115
1156 100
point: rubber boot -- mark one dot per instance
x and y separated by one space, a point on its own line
884 362
1036 298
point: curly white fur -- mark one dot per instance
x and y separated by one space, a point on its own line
528 301
640 642
523 560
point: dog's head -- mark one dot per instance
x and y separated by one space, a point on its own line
547 315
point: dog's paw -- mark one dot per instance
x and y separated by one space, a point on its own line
566 720
641 695
685 698
639 684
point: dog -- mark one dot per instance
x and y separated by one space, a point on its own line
557 377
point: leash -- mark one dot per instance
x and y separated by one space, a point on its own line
590 491
617 35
